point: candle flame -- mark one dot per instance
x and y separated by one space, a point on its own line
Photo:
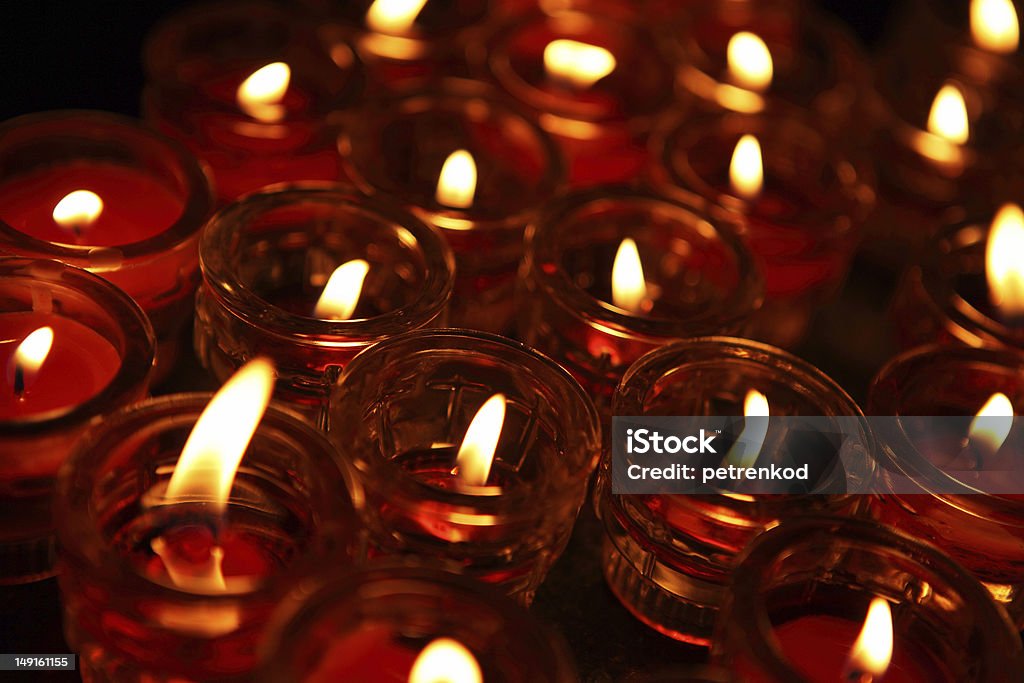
445 661
750 62
341 293
629 289
393 16
992 424
747 448
948 115
78 210
29 357
746 170
1004 261
211 456
994 25
476 454
579 64
456 186
261 93
872 651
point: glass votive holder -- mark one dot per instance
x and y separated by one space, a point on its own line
804 217
812 63
266 261
596 82
403 43
691 276
134 614
145 199
378 624
981 530
248 88
669 557
945 296
400 413
98 357
412 147
803 592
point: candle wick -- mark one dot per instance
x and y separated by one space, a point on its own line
19 381
856 676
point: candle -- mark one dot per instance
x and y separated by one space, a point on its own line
686 275
805 201
595 82
394 624
669 557
249 89
967 287
101 192
751 57
222 505
72 348
404 41
943 457
818 600
486 455
309 276
464 161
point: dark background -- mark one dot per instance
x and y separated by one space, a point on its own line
59 54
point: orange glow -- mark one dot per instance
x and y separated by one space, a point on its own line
992 424
578 64
456 185
994 25
746 170
750 62
629 290
342 291
948 115
78 210
261 93
1004 261
206 468
872 651
476 454
445 660
393 16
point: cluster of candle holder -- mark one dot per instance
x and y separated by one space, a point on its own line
349 202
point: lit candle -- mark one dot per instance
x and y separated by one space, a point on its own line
1004 264
101 192
249 90
72 348
222 505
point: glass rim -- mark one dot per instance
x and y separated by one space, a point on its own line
136 362
198 192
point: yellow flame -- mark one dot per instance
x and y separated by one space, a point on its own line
746 170
393 16
579 64
872 651
473 462
994 25
208 463
1004 261
341 293
948 115
445 661
629 289
78 210
33 350
992 424
260 94
750 62
747 448
456 186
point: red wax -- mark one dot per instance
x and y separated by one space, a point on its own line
819 647
370 655
135 206
79 365
189 547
